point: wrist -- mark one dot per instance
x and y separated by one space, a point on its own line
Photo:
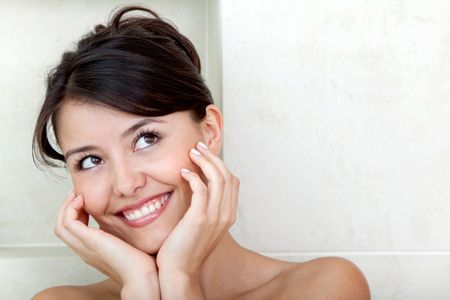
143 287
176 284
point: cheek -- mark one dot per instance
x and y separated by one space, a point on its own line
166 169
94 194
167 163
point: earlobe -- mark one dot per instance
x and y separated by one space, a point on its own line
213 128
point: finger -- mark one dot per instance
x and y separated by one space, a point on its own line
229 202
85 236
63 225
70 240
225 208
229 205
75 210
70 198
60 224
72 213
74 230
199 191
216 182
234 202
218 162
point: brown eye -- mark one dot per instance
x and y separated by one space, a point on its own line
145 140
90 162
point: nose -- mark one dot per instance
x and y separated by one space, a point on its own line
127 179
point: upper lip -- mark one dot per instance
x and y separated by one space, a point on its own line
139 203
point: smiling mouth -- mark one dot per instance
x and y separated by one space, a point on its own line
148 211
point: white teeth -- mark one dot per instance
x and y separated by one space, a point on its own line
138 214
164 199
146 209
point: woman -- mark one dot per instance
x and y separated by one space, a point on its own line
140 136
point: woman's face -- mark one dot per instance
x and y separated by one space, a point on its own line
127 168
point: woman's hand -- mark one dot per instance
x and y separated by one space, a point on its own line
133 269
211 214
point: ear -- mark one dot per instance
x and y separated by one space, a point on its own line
212 128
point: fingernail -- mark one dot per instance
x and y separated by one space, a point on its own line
195 151
184 170
77 198
203 145
70 192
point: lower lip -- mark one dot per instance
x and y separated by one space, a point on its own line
149 218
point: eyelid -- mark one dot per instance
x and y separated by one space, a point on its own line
146 132
76 164
80 159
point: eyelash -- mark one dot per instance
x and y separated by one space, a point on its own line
145 132
81 158
149 133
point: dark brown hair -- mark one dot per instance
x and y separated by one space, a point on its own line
139 65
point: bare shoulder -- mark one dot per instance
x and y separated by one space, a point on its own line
324 278
106 289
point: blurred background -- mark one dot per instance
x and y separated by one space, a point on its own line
336 113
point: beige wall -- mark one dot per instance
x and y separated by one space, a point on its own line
337 122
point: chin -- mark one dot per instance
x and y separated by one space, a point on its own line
149 248
148 242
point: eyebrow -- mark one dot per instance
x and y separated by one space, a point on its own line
139 125
126 133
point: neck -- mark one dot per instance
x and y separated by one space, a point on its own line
230 270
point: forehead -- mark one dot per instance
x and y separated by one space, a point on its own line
80 122
79 118
78 113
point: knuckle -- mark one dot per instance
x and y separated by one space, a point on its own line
229 177
70 226
201 189
212 221
224 219
220 180
200 220
57 231
233 219
211 218
66 223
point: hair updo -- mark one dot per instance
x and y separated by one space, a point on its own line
138 65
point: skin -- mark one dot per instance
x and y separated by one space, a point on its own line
187 253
